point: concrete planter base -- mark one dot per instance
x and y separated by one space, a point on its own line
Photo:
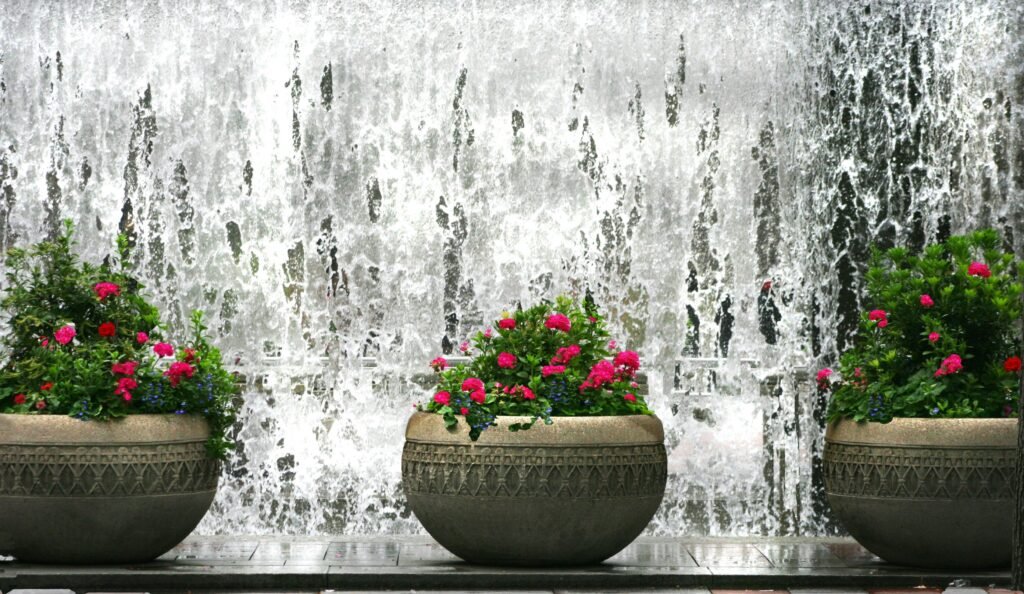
572 493
94 492
925 492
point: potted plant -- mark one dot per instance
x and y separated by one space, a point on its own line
111 436
540 450
921 442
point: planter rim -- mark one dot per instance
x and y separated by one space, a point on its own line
427 427
914 431
21 429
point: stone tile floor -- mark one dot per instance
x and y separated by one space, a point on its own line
410 563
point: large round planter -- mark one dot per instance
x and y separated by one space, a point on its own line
120 491
925 492
571 493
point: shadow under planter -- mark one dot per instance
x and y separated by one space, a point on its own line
120 491
925 492
571 493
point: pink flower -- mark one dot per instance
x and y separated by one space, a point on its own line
591 319
979 269
877 315
565 354
126 368
950 365
107 329
528 393
612 345
124 385
506 360
64 334
603 372
628 359
178 370
883 323
478 396
558 322
472 384
857 372
44 341
141 337
464 347
488 333
552 370
163 349
40 405
104 290
507 324
463 411
823 376
926 300
439 363
443 398
629 398
934 337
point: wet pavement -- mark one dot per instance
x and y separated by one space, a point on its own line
407 563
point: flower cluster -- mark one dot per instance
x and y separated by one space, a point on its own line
82 344
553 359
942 338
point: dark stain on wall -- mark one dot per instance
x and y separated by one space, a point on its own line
327 249
234 240
577 91
179 191
636 110
373 199
295 83
327 88
247 177
517 122
588 162
456 228
140 148
767 235
462 126
674 85
84 173
8 196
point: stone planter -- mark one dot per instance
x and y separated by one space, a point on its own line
925 492
571 493
122 491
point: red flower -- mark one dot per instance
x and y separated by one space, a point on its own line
823 375
46 387
464 411
472 384
190 355
163 349
547 370
628 359
40 405
141 337
439 363
603 372
478 396
443 398
104 290
528 393
125 384
107 329
19 399
506 360
126 368
979 269
558 322
629 398
178 370
507 324
1012 364
926 300
950 365
565 354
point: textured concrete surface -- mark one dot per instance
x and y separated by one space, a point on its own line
273 564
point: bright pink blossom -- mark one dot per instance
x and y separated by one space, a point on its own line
464 347
552 370
629 398
950 365
163 349
478 396
934 337
64 334
628 359
926 300
104 290
488 333
528 393
603 372
126 368
506 360
565 354
178 370
124 387
472 384
141 337
979 269
877 315
507 324
40 404
439 363
463 411
558 322
823 375
612 345
443 398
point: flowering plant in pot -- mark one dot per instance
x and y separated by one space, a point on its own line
101 410
923 406
589 477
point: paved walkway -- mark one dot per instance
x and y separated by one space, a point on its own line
346 564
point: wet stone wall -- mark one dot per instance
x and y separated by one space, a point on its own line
350 188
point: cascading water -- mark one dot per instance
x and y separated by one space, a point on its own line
349 189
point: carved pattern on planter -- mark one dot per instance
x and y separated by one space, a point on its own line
106 470
561 472
919 473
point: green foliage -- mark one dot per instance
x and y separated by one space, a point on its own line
48 289
540 384
948 344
